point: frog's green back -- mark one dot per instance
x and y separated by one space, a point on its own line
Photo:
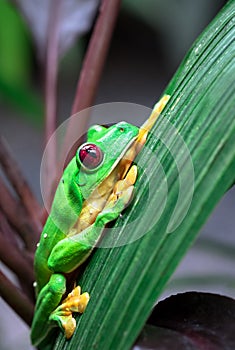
76 185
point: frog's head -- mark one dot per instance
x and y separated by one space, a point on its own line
103 150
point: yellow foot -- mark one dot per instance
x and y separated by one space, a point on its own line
75 302
158 108
69 325
142 136
147 126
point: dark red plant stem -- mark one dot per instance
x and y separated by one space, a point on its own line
16 299
96 55
14 258
52 69
19 218
94 62
19 183
51 74
9 235
7 230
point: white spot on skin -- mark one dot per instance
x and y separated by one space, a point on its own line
45 235
38 244
35 284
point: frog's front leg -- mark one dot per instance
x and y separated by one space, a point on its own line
71 252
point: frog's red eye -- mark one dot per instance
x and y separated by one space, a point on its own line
90 156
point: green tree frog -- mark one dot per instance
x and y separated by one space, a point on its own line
95 188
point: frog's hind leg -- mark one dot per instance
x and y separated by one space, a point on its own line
47 301
75 302
50 312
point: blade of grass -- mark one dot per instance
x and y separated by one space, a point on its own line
124 282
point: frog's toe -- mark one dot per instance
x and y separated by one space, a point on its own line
131 176
127 195
76 292
76 302
69 327
68 323
65 321
128 181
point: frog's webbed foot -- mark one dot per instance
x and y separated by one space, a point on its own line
75 302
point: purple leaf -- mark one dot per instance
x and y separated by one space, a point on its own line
75 17
190 321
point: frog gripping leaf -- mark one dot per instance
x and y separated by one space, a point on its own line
96 186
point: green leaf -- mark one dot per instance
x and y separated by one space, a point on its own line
124 282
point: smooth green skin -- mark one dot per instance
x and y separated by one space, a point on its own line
58 254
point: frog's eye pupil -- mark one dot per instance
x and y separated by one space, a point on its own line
90 156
